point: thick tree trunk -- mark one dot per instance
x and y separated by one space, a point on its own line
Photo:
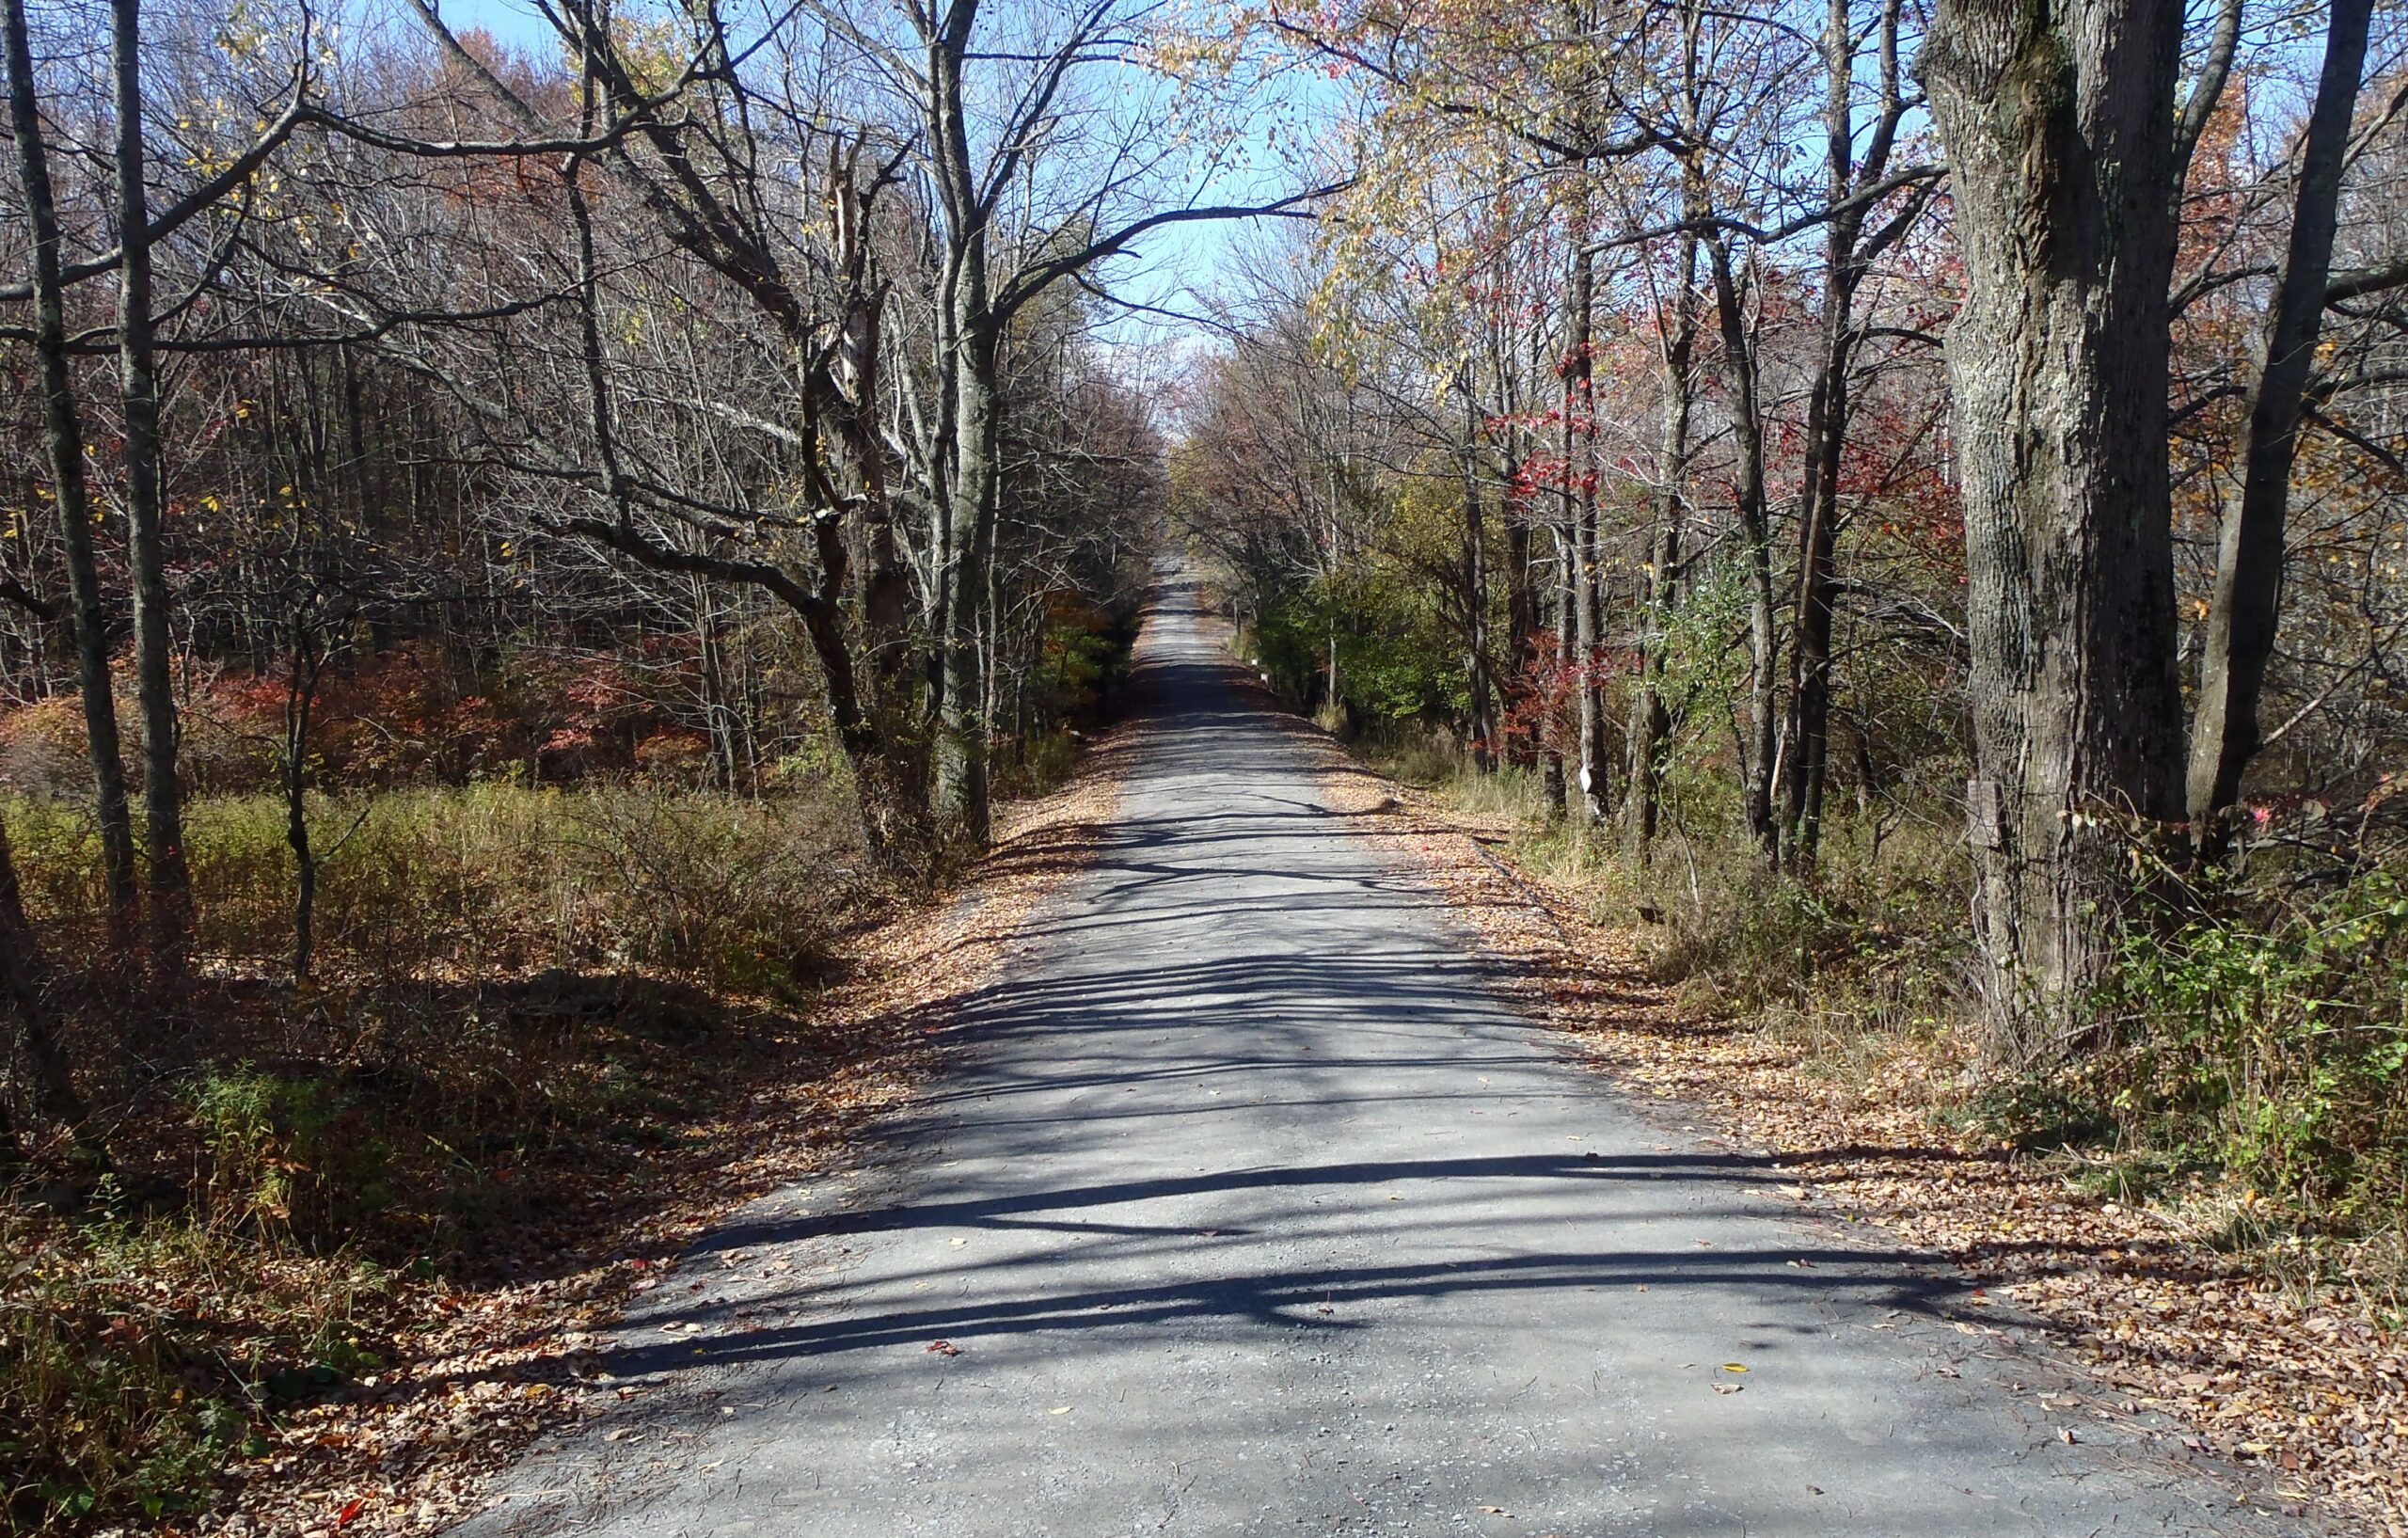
137 366
889 675
2243 615
63 436
962 738
2059 121
969 360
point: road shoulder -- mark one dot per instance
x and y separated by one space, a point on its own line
2126 1326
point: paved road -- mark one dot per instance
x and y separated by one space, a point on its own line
1249 1211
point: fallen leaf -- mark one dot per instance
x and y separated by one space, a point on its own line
942 1348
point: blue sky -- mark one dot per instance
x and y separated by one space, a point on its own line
514 21
1180 265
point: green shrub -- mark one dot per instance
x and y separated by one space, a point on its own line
2270 1039
286 1155
1046 761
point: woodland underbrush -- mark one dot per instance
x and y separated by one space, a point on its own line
2249 1080
523 1005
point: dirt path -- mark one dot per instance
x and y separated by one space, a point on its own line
1248 1207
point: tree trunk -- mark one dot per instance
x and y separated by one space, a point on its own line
2242 616
1763 641
63 436
1474 594
1562 758
888 677
301 690
1521 620
137 366
1587 769
969 360
1651 725
962 743
1827 424
2059 122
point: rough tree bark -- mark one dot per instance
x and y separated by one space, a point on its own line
2059 121
63 436
971 336
2242 614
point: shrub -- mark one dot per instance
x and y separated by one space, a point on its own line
135 1360
285 1154
2270 1038
496 877
735 894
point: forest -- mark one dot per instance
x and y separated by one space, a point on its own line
1938 567
533 531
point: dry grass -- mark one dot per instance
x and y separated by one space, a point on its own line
422 1185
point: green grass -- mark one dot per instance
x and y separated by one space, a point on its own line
137 1360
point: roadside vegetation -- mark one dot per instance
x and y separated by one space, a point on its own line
524 1004
1602 467
2247 1082
519 559
1654 462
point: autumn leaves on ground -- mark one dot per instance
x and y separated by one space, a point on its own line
2240 1346
532 563
415 1196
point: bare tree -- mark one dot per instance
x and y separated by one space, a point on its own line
63 436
